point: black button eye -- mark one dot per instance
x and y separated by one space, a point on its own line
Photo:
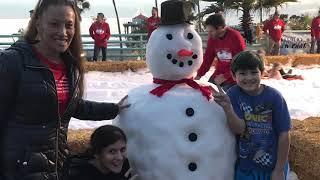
169 56
169 36
190 36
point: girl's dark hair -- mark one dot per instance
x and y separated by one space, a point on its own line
216 20
247 60
105 136
75 49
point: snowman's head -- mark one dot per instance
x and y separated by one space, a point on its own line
174 52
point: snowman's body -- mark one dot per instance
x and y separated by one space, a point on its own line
181 135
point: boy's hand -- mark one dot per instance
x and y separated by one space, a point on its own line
221 98
122 104
277 175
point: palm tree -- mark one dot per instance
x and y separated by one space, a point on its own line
82 5
246 6
118 22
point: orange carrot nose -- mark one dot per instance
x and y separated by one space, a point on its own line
184 52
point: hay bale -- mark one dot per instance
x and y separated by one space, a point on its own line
114 66
134 65
294 60
307 59
280 59
78 140
305 148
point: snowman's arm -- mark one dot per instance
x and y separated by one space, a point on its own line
89 110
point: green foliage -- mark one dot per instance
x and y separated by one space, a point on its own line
301 22
245 6
83 5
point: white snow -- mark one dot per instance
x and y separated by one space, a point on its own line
303 97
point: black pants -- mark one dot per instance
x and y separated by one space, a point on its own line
313 44
96 52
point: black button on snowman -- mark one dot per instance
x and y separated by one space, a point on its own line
175 130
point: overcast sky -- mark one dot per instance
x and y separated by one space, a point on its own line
130 8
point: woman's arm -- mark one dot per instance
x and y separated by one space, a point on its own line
89 110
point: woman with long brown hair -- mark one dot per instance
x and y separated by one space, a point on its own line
41 88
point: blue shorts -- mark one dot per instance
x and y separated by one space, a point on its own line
257 174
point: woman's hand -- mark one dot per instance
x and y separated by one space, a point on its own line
122 104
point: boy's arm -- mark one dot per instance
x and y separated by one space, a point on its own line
283 151
236 124
282 126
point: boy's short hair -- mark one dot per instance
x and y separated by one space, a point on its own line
100 14
216 20
155 8
105 136
247 60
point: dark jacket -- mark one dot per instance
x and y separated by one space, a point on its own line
33 136
79 168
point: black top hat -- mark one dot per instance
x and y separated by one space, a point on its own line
174 12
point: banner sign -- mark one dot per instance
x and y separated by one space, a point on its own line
295 43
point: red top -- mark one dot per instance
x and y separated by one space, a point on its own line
315 28
224 49
59 72
152 24
100 32
275 28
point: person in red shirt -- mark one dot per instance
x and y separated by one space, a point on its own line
315 33
274 28
223 43
153 21
100 32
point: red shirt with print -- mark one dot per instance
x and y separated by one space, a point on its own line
315 28
152 24
59 72
100 32
275 28
224 49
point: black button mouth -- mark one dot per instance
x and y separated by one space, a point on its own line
181 64
174 61
192 166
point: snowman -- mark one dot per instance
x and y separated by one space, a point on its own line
175 129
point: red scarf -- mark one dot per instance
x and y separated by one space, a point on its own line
166 85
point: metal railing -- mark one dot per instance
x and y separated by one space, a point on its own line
133 45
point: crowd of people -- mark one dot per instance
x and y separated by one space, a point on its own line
45 67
